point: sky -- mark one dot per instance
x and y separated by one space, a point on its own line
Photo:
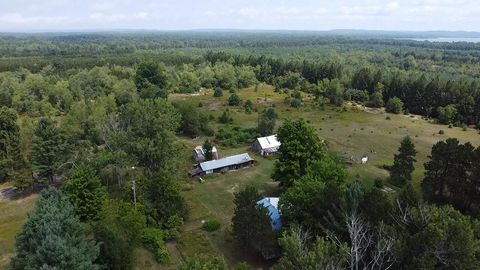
69 15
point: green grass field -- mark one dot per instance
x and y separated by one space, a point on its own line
12 216
350 134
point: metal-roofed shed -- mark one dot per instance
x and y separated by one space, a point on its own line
223 164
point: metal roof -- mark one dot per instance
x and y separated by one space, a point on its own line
225 162
271 203
269 142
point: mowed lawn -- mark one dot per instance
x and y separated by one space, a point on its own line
213 199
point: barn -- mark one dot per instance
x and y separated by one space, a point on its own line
222 165
266 146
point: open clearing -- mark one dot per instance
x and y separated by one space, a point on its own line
351 133
12 216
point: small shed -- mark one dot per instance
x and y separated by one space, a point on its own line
266 146
199 153
223 165
271 203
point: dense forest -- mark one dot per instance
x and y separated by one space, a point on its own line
83 115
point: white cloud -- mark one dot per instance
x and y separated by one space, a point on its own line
289 10
18 15
320 11
17 18
250 12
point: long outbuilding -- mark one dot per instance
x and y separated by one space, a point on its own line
223 165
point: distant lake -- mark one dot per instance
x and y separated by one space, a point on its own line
446 39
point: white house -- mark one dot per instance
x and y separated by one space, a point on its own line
266 146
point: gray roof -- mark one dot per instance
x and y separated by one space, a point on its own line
225 162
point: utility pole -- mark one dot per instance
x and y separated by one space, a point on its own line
134 190
134 193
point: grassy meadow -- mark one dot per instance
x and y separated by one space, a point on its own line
12 216
351 133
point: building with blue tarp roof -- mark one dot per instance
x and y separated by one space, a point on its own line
271 203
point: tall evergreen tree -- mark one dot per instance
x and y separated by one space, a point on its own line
86 193
243 221
402 168
448 174
49 150
53 237
252 225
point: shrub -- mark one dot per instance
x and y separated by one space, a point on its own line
296 103
388 118
446 114
211 225
378 183
394 105
248 106
236 136
152 238
441 132
356 95
234 100
218 92
172 227
225 118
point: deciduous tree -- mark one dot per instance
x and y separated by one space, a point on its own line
300 147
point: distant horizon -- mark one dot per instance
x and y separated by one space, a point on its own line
232 30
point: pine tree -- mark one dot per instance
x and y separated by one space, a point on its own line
243 221
49 150
408 197
53 237
402 168
265 238
252 225
86 193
